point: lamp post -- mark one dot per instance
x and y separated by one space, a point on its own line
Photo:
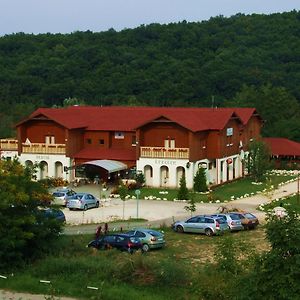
137 192
298 185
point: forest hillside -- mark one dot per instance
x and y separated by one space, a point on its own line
244 60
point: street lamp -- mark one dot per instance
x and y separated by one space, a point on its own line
298 185
137 192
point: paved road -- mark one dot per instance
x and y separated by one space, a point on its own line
159 213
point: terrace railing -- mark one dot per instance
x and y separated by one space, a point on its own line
44 148
162 152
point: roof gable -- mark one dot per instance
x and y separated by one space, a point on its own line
116 118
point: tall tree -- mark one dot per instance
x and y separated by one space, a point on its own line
25 231
200 181
258 160
183 192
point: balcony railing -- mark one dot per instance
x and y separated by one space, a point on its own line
9 144
44 148
161 152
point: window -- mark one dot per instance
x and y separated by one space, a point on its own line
119 135
101 142
133 140
88 141
50 139
170 143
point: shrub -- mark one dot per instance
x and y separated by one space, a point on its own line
183 192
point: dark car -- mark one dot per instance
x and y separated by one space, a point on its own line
249 221
123 242
55 214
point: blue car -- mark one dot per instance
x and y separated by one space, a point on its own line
121 241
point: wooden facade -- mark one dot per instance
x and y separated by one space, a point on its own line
155 136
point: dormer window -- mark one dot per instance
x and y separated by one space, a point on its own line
119 135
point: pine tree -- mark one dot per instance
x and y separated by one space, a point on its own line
200 181
183 192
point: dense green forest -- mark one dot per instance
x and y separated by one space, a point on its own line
244 60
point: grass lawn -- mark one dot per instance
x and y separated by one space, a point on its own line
236 188
293 202
170 273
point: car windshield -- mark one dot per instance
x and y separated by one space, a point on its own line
155 233
58 194
234 217
249 216
221 220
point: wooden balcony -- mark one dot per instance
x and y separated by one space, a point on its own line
161 152
44 148
9 144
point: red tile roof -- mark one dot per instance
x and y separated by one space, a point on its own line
283 147
121 118
103 153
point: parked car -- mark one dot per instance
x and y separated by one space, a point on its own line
233 221
249 221
82 201
150 238
202 224
122 241
54 214
62 195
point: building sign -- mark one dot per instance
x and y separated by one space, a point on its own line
165 162
42 157
229 131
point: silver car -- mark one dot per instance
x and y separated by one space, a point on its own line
232 220
82 201
202 224
62 195
150 238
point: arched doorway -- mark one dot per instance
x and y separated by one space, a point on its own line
164 176
28 163
43 170
148 172
58 169
180 171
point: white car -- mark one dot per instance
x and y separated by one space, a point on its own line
82 201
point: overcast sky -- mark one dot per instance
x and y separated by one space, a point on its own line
66 16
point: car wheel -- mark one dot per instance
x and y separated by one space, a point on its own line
179 229
70 208
246 227
208 232
85 207
97 204
145 248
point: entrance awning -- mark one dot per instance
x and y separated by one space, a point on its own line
109 165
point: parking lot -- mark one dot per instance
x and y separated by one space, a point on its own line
161 211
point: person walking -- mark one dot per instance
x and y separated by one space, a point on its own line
98 232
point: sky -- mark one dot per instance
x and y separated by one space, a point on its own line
66 16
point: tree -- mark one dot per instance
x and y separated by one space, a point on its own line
183 192
200 181
258 160
25 231
140 179
276 273
191 207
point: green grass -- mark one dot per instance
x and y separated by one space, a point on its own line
169 273
293 202
224 192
